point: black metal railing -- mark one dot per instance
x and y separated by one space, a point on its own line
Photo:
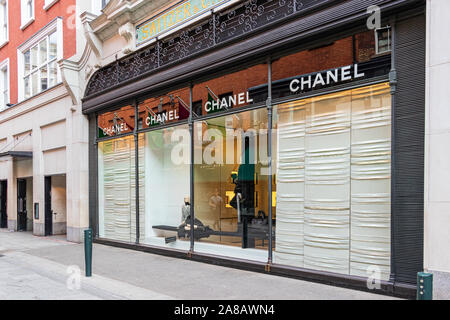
235 22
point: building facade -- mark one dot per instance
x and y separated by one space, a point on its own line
437 211
285 137
43 139
297 138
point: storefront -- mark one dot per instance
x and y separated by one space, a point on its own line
279 146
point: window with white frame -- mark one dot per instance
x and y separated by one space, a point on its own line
27 12
49 3
3 21
98 5
37 60
4 85
40 68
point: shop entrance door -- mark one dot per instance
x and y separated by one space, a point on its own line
3 213
21 205
48 207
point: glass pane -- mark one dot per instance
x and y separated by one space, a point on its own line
5 86
4 20
116 122
384 41
30 8
116 184
164 157
44 83
370 238
53 73
52 46
27 62
34 57
165 109
35 83
231 186
27 87
333 182
43 51
235 90
343 61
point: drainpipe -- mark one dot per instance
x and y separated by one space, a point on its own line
393 85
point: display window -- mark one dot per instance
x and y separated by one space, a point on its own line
117 189
164 186
164 109
230 92
117 122
231 185
333 182
331 163
339 62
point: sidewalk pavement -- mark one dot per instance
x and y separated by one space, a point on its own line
46 268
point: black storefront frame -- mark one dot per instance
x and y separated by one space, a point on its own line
390 287
276 269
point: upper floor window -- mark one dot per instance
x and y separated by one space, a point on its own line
27 12
49 3
4 85
3 21
98 5
37 61
40 69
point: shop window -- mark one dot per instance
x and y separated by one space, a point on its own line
230 185
383 40
342 61
164 186
333 182
165 109
117 190
117 122
232 91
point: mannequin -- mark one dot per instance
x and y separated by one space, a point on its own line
185 209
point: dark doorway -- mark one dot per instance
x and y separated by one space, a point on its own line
3 213
48 207
21 205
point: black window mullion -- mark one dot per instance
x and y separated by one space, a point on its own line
191 172
136 169
269 155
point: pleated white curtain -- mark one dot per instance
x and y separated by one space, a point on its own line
117 205
333 182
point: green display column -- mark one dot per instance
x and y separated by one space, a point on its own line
424 286
88 251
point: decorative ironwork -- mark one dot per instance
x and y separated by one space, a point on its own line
188 42
239 20
138 63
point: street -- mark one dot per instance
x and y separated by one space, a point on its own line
38 268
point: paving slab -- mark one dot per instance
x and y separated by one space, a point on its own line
128 274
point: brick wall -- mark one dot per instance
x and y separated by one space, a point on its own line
63 8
